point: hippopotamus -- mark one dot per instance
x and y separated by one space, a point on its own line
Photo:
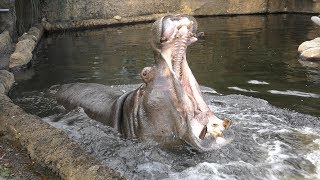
168 106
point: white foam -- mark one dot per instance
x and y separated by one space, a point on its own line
295 93
202 171
153 168
242 90
257 82
314 155
275 152
275 117
314 158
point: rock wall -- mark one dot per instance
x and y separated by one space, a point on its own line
5 49
65 10
7 30
25 46
7 18
75 10
222 7
290 6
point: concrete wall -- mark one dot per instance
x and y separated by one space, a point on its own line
75 10
7 19
223 7
61 10
303 6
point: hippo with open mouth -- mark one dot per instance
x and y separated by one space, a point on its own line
168 107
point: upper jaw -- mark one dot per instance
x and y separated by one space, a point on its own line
177 34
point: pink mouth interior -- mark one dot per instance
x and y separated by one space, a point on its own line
177 36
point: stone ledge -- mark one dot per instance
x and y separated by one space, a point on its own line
26 44
92 23
51 147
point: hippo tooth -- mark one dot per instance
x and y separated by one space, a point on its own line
220 140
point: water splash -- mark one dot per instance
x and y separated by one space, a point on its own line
270 143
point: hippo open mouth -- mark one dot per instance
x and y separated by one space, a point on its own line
171 36
168 107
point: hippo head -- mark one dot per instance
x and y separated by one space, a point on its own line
170 97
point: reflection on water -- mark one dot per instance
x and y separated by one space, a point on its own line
249 55
235 53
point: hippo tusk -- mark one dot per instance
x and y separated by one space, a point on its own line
216 131
190 25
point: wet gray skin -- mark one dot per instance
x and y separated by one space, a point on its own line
168 107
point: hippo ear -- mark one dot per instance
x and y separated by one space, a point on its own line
147 74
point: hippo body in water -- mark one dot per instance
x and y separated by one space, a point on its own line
168 107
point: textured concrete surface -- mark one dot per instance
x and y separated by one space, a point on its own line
49 146
26 44
6 81
60 14
8 19
5 49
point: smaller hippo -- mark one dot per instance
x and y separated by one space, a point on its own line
168 107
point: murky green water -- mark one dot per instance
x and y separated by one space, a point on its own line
233 52
250 55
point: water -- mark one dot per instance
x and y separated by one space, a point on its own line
234 52
270 143
275 114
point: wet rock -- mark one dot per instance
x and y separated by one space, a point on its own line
34 33
5 42
311 54
27 42
4 61
316 20
5 49
310 50
309 44
23 53
27 36
6 81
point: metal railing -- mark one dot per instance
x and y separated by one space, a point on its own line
4 10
